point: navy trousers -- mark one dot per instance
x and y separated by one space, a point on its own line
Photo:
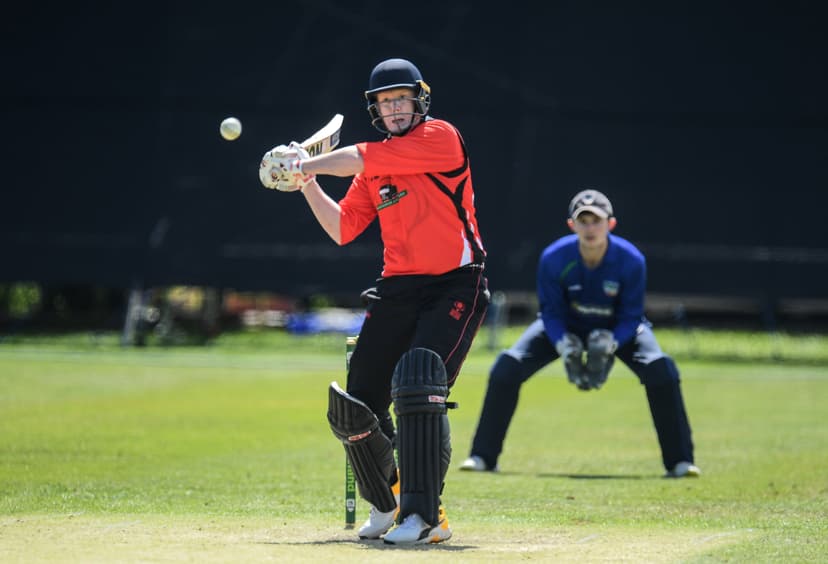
655 370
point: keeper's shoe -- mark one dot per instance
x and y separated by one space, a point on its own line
684 470
413 530
476 464
379 522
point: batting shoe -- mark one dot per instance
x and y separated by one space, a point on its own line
684 470
413 530
379 522
476 464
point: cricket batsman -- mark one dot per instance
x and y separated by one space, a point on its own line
426 308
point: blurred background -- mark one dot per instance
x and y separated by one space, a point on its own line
123 208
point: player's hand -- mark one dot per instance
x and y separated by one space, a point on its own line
569 345
602 340
601 347
571 348
271 169
300 151
281 168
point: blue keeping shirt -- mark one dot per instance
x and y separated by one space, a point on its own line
576 299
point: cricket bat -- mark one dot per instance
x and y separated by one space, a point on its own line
326 139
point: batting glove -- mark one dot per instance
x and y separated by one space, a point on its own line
281 168
601 347
571 348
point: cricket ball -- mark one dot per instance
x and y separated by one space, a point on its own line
230 128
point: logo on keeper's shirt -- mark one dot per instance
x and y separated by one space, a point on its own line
611 288
389 195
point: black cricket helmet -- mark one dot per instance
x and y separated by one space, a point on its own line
396 73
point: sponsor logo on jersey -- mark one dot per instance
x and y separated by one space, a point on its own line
591 309
611 288
389 195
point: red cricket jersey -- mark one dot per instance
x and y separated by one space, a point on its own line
420 187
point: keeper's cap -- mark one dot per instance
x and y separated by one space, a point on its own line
590 201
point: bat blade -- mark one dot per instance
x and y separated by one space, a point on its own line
326 139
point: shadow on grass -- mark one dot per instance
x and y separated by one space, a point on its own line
598 476
378 544
576 476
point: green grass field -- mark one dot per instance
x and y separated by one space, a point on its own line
223 454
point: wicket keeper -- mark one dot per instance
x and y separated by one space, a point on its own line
591 287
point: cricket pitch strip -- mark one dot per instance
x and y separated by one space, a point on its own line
154 538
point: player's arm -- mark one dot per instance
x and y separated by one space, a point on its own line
288 168
551 298
631 303
553 306
346 161
343 221
326 211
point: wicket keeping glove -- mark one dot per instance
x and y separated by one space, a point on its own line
601 347
571 348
